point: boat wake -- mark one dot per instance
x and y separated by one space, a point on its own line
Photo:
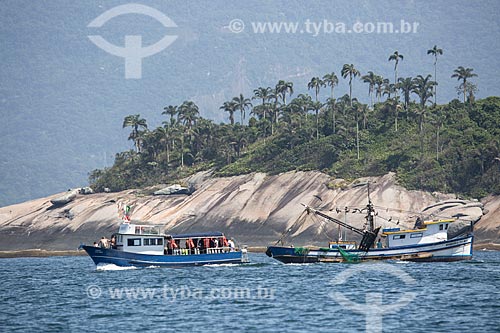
113 267
221 265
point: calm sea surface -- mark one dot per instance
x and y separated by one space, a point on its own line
68 294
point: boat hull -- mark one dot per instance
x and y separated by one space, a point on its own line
451 250
124 259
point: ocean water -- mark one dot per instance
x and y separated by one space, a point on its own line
69 294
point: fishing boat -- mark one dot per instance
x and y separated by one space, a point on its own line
428 241
145 245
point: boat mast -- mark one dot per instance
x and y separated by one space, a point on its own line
369 235
370 214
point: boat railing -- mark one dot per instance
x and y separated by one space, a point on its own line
223 249
211 250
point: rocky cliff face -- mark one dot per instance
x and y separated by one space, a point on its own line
256 209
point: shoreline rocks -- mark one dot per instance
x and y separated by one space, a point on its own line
256 209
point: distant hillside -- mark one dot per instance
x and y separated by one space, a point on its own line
62 99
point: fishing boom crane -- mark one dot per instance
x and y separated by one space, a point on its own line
369 236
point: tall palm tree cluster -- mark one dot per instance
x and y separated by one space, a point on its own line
271 117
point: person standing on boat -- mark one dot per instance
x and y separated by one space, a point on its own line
206 244
224 243
190 245
231 245
200 245
419 224
173 245
104 243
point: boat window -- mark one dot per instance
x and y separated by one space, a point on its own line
446 226
416 235
440 227
399 237
134 242
153 241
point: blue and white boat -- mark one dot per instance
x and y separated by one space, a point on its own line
145 245
429 241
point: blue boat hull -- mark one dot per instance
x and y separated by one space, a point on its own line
124 259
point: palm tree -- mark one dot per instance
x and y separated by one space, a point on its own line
315 84
316 106
470 88
349 70
166 133
331 80
392 105
188 114
395 56
406 85
305 103
229 106
379 81
462 73
283 88
274 108
264 94
343 102
170 110
388 88
242 104
435 51
423 89
136 122
371 79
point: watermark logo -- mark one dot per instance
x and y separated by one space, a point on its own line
374 309
324 27
179 293
236 26
132 51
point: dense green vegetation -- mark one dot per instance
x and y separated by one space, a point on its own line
453 147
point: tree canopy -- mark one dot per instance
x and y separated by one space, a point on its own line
453 147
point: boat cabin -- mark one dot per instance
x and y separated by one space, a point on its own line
145 239
433 231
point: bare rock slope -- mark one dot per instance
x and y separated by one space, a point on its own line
256 209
